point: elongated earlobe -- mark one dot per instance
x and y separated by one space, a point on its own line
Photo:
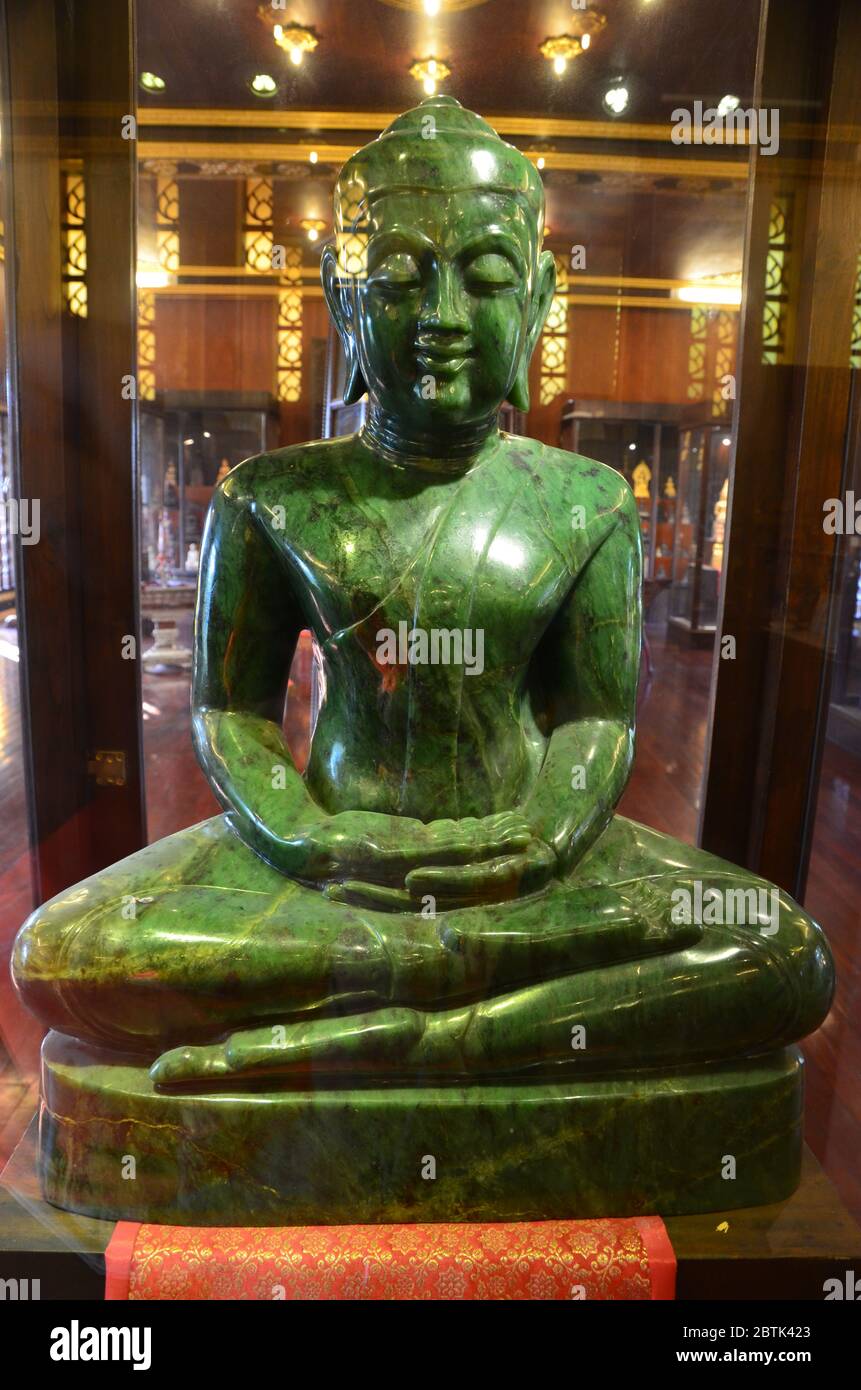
519 393
545 284
335 291
355 386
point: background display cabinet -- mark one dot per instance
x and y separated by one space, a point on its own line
642 443
678 469
699 531
187 443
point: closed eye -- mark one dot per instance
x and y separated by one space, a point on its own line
399 271
491 273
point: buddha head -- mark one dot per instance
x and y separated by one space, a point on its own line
436 280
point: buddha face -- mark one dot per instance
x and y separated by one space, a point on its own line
448 313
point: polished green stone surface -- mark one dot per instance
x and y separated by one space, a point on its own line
529 1151
446 896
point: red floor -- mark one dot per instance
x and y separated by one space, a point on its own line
664 792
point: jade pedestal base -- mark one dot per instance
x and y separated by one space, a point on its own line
711 1139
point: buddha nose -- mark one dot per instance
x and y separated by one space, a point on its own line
445 308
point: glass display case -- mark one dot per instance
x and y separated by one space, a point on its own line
642 443
212 881
187 444
699 529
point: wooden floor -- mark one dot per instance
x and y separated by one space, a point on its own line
664 792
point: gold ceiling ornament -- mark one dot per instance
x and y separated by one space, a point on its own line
433 8
430 71
561 49
295 39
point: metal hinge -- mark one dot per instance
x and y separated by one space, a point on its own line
108 767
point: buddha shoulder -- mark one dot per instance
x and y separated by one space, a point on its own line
567 481
270 478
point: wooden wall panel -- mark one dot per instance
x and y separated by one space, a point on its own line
215 344
653 356
627 355
210 220
593 342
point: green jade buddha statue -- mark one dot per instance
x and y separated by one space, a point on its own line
439 942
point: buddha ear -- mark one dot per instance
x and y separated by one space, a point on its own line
337 292
542 298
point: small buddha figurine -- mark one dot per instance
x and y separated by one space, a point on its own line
446 895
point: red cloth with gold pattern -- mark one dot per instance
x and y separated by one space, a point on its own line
600 1259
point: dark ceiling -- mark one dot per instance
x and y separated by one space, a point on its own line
671 51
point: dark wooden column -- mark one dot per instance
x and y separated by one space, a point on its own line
763 757
69 84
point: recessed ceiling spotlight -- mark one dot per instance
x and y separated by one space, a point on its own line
541 161
151 82
262 85
313 156
616 97
727 104
726 440
431 7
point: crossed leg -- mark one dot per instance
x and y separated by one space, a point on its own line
195 939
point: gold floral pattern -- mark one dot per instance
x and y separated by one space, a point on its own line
600 1259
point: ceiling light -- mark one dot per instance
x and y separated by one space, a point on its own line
726 440
296 41
262 85
151 82
616 98
562 48
431 7
152 279
206 434
188 441
709 294
727 104
313 226
313 156
632 447
540 161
